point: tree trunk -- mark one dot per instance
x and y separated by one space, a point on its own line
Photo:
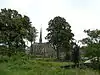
58 53
9 52
98 59
31 49
67 56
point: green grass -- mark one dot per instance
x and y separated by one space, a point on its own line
23 66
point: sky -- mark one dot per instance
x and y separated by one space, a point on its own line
80 14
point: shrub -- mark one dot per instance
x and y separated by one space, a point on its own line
4 58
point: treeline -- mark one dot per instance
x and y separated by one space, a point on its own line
16 29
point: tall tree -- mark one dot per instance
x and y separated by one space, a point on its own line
13 28
59 34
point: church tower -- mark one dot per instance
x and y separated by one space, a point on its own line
40 39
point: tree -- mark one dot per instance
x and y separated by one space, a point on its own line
32 37
92 44
13 29
59 34
75 54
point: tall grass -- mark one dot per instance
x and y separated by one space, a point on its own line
21 65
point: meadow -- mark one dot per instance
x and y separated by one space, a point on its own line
23 65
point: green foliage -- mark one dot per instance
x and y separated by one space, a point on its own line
75 54
32 34
32 37
92 50
14 29
4 59
92 42
26 66
59 34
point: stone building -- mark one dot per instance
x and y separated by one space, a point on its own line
43 49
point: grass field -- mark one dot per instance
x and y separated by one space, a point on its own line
23 66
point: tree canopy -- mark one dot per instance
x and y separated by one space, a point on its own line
59 33
92 42
14 28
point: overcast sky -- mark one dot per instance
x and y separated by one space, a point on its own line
80 14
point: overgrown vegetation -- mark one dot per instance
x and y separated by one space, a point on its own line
21 65
92 48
